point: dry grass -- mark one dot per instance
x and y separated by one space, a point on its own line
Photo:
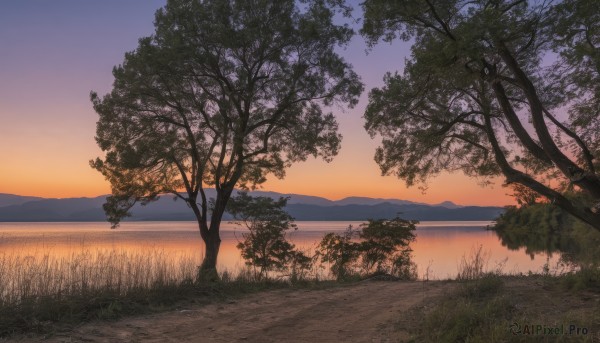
45 292
118 271
40 289
474 265
488 303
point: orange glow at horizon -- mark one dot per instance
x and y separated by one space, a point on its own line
47 124
52 160
315 178
326 183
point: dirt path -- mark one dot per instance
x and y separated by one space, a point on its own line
364 312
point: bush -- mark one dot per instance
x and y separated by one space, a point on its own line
382 247
474 266
583 279
264 245
340 251
466 320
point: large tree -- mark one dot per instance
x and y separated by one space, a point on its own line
222 94
487 91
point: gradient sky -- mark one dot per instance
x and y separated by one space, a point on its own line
53 53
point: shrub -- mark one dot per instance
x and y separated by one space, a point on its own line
386 246
264 245
340 251
381 247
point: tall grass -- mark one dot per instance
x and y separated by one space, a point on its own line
39 289
44 291
477 279
474 265
118 271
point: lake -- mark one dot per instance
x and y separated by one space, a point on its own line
439 246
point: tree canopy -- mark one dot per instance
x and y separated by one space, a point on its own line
492 87
223 93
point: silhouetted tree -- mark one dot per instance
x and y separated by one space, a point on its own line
475 95
385 246
524 195
546 228
340 251
222 94
378 246
264 245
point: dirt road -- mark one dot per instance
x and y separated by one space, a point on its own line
365 312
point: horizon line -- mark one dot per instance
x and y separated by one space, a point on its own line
316 196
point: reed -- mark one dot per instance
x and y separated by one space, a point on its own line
25 277
474 265
46 291
42 288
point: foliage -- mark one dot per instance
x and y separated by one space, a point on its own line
577 40
547 228
382 247
300 265
340 251
222 94
265 246
43 293
525 196
584 279
465 319
476 97
385 246
536 227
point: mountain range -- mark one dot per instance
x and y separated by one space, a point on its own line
15 208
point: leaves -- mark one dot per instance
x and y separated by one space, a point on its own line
380 246
264 244
223 94
476 97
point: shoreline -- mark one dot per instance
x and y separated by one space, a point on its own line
354 312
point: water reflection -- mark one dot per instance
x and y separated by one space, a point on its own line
439 245
575 242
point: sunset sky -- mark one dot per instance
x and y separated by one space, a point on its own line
53 53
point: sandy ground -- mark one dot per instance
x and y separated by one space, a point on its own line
365 312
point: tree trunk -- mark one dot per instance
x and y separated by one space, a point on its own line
212 238
208 268
514 175
586 181
516 125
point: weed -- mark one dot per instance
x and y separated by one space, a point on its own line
40 292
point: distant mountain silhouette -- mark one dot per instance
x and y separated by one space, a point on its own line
70 209
448 204
371 201
301 207
296 198
11 199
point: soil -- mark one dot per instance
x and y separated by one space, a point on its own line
367 311
363 312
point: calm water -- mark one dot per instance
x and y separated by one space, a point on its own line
439 246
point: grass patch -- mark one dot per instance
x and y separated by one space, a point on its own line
42 294
583 279
486 286
487 306
498 308
463 319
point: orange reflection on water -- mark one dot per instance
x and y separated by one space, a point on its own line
443 250
439 246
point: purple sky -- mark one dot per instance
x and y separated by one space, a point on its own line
53 53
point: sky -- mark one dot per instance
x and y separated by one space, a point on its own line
53 53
